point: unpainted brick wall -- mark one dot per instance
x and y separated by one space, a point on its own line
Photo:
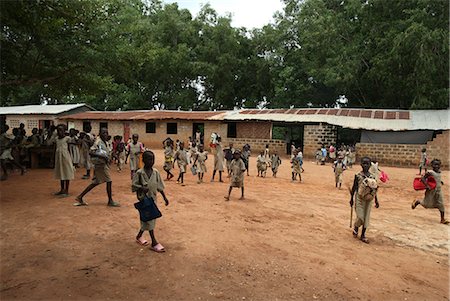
257 145
254 130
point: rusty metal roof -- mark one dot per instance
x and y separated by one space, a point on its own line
369 119
144 115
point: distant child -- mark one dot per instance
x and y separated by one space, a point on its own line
365 191
318 156
261 165
338 168
237 174
246 152
351 157
228 153
147 183
119 150
296 168
275 163
434 198
200 159
324 155
423 161
181 158
300 159
267 155
64 169
6 142
192 151
73 147
134 151
218 159
293 148
87 140
168 158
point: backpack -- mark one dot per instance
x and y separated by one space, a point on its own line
367 189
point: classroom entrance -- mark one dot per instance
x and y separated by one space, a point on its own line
289 133
201 128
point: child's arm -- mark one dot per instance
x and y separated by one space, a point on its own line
376 202
424 180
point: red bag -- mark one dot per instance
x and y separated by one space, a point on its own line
419 185
384 177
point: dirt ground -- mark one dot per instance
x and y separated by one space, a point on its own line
286 241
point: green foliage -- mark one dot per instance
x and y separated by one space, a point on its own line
130 54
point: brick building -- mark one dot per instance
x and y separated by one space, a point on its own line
395 137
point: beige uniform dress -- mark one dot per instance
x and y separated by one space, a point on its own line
434 198
218 158
101 166
168 158
182 160
201 158
338 171
276 161
237 167
74 151
135 151
85 159
261 163
64 169
154 184
363 207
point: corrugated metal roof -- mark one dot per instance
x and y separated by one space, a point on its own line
145 115
379 120
40 109
369 119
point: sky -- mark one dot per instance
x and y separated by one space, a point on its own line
245 13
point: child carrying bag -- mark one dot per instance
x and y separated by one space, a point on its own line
147 209
419 185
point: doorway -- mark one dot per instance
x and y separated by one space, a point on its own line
290 134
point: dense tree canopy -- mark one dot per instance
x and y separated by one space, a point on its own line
132 54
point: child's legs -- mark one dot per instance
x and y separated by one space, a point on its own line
109 191
152 236
86 190
66 188
242 192
62 185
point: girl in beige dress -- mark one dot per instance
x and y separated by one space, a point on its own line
147 182
237 174
200 159
219 157
134 151
64 169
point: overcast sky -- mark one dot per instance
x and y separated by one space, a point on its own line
246 13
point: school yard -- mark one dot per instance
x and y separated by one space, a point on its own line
286 241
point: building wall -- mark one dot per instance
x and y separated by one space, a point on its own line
314 135
257 145
407 155
30 121
257 130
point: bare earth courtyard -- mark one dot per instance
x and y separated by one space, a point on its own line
286 241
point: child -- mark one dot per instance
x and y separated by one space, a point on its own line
351 157
134 150
374 169
365 190
218 159
237 174
87 141
246 156
423 161
64 169
181 158
168 158
324 155
119 150
296 168
318 156
267 154
228 154
276 162
338 168
433 197
146 183
200 157
73 147
300 159
6 141
261 165
101 157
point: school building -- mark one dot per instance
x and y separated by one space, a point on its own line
394 137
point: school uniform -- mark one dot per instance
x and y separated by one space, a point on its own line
296 168
135 151
74 150
64 169
423 160
338 171
261 163
101 165
363 205
218 158
168 158
182 160
434 198
201 158
154 183
85 159
237 167
276 161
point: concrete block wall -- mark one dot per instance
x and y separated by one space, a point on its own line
315 135
257 145
407 155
